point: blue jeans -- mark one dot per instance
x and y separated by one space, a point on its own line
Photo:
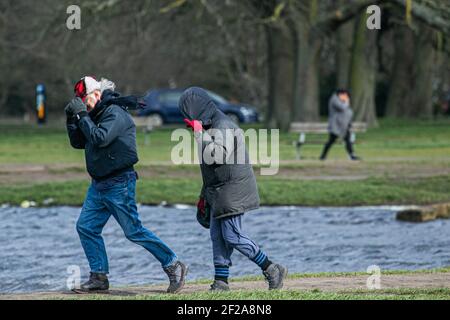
116 197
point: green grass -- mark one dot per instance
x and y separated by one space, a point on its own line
383 294
338 274
331 274
394 294
273 191
416 140
424 145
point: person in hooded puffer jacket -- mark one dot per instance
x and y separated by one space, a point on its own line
229 187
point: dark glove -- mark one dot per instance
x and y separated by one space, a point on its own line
203 213
141 103
74 107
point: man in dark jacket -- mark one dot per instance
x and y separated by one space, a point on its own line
98 121
229 187
339 122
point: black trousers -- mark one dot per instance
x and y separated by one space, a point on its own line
332 139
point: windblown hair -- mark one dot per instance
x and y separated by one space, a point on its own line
106 84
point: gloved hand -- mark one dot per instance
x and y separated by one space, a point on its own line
203 213
194 125
201 205
75 106
141 103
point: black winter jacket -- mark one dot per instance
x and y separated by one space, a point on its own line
108 135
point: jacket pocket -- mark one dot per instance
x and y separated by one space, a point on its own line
112 160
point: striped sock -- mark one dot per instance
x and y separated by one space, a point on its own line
221 273
261 260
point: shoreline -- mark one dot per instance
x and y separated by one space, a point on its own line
183 206
375 191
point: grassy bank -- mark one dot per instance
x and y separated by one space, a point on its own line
429 284
395 140
439 292
392 294
372 191
405 162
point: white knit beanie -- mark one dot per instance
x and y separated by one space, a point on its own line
102 85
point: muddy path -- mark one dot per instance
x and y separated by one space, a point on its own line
305 170
325 284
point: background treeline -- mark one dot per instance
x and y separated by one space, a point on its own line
284 57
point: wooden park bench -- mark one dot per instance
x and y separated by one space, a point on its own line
303 128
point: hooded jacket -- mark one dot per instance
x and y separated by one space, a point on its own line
108 135
340 116
229 184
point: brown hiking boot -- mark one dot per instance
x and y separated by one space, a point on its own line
177 274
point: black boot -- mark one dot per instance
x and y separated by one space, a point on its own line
219 285
331 140
275 275
97 283
323 156
177 275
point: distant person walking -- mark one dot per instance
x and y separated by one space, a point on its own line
339 123
99 123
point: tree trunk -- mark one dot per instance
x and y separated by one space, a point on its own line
411 90
400 85
3 84
306 87
363 72
344 45
281 76
424 68
306 91
3 63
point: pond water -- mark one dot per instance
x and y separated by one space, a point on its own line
39 244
